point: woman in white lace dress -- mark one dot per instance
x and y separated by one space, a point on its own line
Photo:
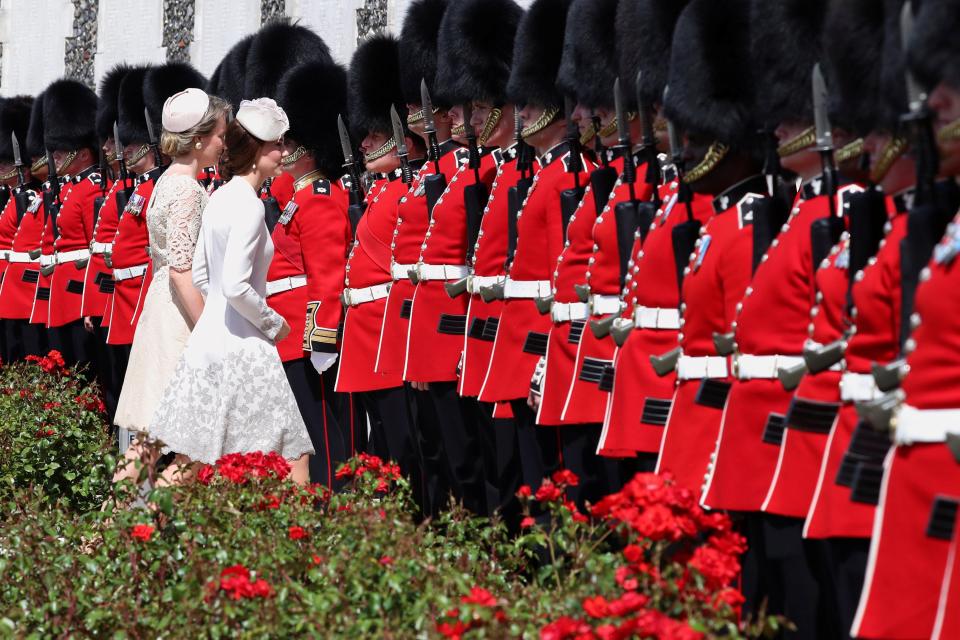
229 393
193 137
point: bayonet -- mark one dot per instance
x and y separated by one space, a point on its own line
626 145
121 160
645 113
430 125
154 142
349 161
54 179
17 159
676 157
824 134
400 140
573 139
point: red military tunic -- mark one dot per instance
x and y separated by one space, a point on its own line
489 267
716 278
72 246
637 408
130 258
585 401
909 555
438 322
321 228
408 235
98 280
876 312
41 299
522 331
367 283
18 289
8 229
771 326
568 314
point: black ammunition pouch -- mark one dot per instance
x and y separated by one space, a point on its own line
627 218
434 185
271 212
824 234
601 183
684 237
569 201
474 201
769 215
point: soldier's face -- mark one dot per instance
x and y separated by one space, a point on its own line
901 175
606 116
502 134
804 163
945 101
58 157
456 120
385 164
144 164
417 127
582 116
8 167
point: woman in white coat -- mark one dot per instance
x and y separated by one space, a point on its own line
229 393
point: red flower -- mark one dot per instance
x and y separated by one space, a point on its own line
596 607
481 597
629 602
633 553
142 532
270 501
297 533
343 472
566 627
548 492
524 491
205 475
527 522
565 477
235 581
316 559
386 561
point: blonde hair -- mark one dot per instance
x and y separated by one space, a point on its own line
178 144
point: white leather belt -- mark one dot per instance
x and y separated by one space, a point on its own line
19 257
656 318
569 311
925 425
101 247
698 367
526 289
476 282
354 297
401 271
48 260
69 256
858 387
129 272
605 305
750 367
285 284
441 271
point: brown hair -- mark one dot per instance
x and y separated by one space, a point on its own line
178 144
241 152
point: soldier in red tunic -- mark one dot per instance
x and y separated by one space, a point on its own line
14 119
373 89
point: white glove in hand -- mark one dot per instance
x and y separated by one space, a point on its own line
322 361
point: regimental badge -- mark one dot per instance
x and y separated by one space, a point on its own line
949 247
463 156
702 251
843 259
34 205
135 204
288 212
95 178
321 187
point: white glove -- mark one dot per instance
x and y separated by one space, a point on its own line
536 381
322 360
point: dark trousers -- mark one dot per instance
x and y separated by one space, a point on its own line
599 476
505 471
4 349
846 560
24 339
76 345
117 355
539 447
459 418
392 433
428 426
328 417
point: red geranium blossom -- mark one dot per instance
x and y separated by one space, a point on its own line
235 581
297 533
142 532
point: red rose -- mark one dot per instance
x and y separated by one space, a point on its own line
566 477
548 492
527 522
386 561
315 559
524 491
205 475
296 533
596 607
481 597
142 532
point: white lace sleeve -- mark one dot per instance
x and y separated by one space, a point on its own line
245 235
183 224
201 276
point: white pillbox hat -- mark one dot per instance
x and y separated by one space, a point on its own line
183 111
263 119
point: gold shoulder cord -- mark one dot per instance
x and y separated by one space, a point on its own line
307 179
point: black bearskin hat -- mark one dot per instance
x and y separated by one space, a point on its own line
69 116
476 49
711 88
164 81
934 48
275 49
418 50
130 121
109 96
227 78
644 35
313 95
35 147
588 67
893 82
786 37
537 54
852 46
14 118
374 85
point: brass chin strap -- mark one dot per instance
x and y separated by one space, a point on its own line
417 116
38 164
546 118
293 157
717 152
384 149
66 162
610 128
459 130
9 175
138 156
493 119
807 138
110 157
849 152
950 133
888 156
587 136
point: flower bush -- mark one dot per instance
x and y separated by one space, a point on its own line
245 553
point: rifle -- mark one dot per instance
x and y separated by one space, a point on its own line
824 232
570 198
518 193
19 194
357 205
434 184
475 195
151 134
123 194
406 174
685 234
52 206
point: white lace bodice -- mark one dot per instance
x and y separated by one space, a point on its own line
173 221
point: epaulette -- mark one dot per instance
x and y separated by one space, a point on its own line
346 182
462 156
321 187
